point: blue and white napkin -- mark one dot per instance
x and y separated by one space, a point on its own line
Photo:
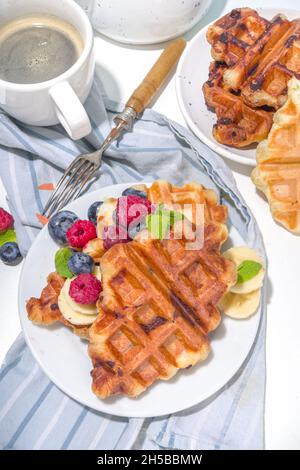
34 413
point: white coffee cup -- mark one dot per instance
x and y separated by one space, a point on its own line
59 99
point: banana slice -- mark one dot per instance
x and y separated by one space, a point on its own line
75 313
95 249
74 317
238 254
240 305
97 272
105 214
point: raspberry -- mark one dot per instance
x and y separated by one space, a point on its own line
113 235
131 208
80 233
85 289
6 220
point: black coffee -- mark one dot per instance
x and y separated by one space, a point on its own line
36 49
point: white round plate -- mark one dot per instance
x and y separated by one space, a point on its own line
64 358
192 72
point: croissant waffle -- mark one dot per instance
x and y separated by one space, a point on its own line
187 198
45 310
238 125
159 303
259 57
231 35
184 198
277 173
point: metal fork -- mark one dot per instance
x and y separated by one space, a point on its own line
84 167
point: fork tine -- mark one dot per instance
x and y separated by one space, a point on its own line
89 176
72 192
69 188
73 180
70 171
60 187
73 189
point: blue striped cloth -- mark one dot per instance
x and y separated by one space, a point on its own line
34 413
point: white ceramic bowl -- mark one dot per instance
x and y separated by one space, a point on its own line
145 22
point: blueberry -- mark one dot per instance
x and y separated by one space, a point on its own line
135 228
134 192
58 225
92 212
80 263
10 253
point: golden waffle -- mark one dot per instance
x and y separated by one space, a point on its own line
237 125
159 302
234 33
186 198
278 162
183 198
268 84
248 64
44 310
251 82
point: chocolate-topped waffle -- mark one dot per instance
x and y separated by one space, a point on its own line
158 304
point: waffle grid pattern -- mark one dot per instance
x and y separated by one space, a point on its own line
159 304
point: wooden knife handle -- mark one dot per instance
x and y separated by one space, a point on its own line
155 78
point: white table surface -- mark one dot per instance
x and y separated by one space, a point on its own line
122 69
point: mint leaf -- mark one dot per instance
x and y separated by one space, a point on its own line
161 221
8 236
158 225
175 216
62 257
247 270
